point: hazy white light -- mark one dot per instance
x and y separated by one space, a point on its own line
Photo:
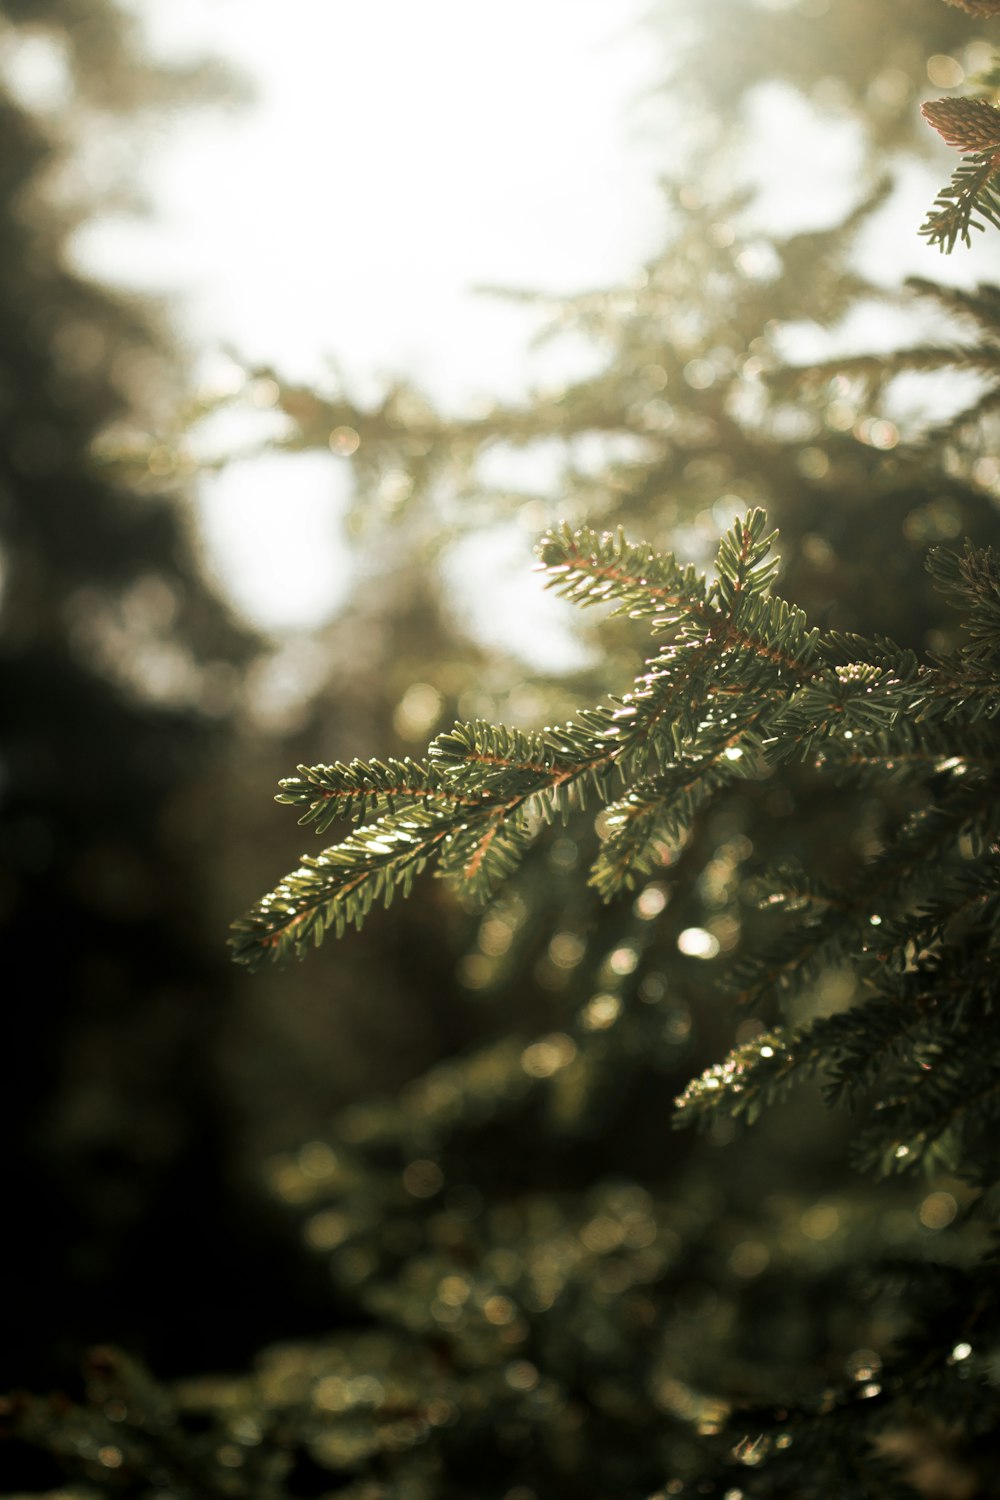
397 157
271 528
697 943
492 584
35 68
945 72
807 163
650 902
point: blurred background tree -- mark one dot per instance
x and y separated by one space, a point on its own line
536 1290
120 669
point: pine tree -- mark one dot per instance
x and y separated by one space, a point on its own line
782 921
118 664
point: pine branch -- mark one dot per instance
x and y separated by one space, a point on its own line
981 305
836 713
970 580
513 766
968 680
971 191
924 859
940 433
476 859
465 809
734 612
913 752
743 680
340 886
913 1027
930 967
367 789
878 370
651 821
753 1075
926 1119
589 567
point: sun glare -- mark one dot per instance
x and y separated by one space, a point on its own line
396 157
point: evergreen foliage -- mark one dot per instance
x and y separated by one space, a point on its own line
115 658
744 688
788 813
972 126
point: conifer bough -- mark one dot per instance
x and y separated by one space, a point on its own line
740 684
972 126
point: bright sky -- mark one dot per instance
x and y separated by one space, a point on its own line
398 156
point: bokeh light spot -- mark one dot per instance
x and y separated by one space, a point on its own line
696 942
937 1210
